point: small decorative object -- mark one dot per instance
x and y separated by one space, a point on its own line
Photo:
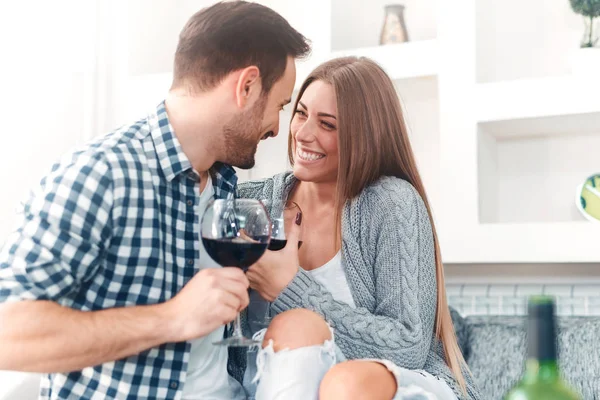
394 27
590 9
586 60
588 198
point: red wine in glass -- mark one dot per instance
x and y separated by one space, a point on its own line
236 233
278 244
283 216
235 252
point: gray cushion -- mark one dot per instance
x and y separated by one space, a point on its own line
462 331
579 352
496 353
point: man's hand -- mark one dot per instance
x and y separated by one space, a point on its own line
276 269
210 299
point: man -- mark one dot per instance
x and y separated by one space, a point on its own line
105 287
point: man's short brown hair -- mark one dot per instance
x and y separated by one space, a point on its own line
233 35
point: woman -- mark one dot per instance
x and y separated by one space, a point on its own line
365 317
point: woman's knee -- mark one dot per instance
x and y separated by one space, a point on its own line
358 380
297 328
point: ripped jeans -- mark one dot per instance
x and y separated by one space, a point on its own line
297 374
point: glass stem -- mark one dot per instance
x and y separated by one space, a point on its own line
237 327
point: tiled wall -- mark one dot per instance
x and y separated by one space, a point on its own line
510 299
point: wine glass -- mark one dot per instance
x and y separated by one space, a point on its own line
283 215
236 233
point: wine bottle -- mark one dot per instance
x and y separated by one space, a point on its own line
541 380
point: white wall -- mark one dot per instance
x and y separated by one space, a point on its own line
153 29
19 386
537 177
525 39
42 109
419 98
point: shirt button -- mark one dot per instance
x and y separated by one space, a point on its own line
190 262
174 385
190 203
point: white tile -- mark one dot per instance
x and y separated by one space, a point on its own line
502 290
563 310
593 304
528 290
487 301
486 305
586 290
464 310
510 305
453 290
460 303
481 309
514 302
593 301
521 310
559 290
473 290
579 310
572 301
508 309
594 311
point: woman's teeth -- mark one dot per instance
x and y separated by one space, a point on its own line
309 156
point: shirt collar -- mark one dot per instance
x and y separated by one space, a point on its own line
224 180
172 159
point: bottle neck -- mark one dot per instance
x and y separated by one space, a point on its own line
541 338
541 371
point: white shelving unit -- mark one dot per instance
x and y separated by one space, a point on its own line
563 96
343 28
502 132
513 151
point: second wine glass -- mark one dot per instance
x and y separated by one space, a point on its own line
283 216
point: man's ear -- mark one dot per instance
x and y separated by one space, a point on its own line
249 86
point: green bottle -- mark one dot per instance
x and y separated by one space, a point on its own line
541 380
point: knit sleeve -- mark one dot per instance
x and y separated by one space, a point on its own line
257 189
388 232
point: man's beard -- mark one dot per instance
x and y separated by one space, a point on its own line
241 135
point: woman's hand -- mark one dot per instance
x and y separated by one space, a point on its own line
276 269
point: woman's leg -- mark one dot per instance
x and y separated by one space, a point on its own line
297 328
358 380
297 352
381 380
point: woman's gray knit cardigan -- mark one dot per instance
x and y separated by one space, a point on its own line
388 256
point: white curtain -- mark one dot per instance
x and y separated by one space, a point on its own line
59 74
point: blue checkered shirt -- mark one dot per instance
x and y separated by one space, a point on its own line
113 225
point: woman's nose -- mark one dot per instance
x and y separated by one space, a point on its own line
305 133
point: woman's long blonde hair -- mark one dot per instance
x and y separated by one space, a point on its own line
373 142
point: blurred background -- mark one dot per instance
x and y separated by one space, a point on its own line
502 100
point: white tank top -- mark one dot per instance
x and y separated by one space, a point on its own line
332 276
207 376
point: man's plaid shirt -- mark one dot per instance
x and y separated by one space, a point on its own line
114 225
